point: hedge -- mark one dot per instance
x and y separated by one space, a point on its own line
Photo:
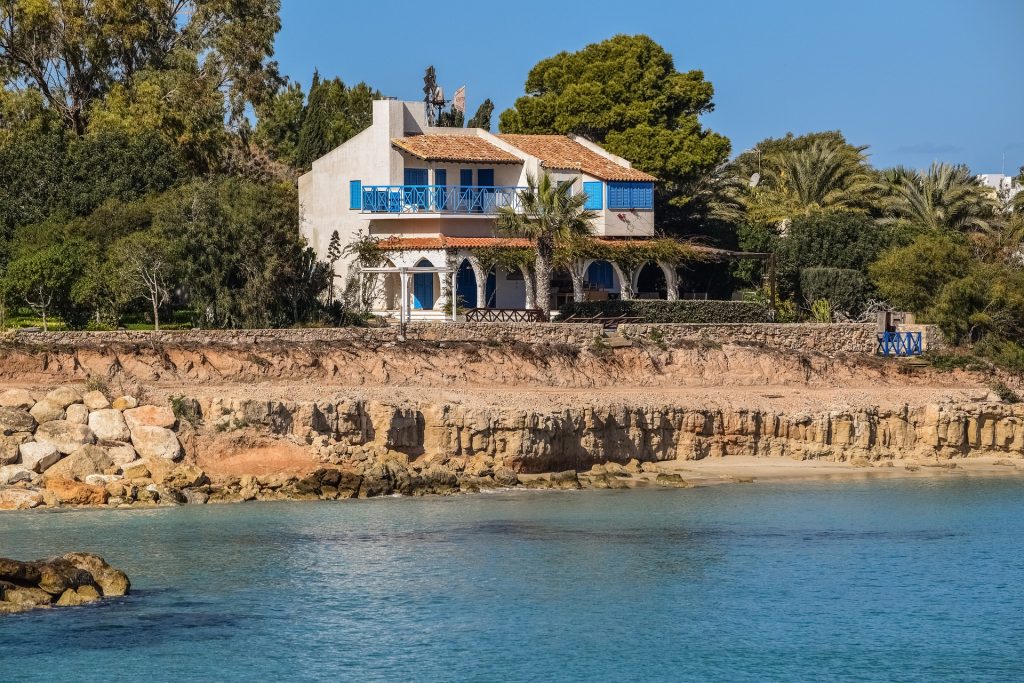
661 311
844 288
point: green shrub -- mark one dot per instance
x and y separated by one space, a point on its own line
821 311
844 288
660 311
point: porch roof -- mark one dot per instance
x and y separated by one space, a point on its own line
447 242
465 148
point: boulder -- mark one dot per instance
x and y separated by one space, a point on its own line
12 474
71 492
75 597
9 447
118 451
102 479
56 575
13 420
503 476
136 470
186 476
95 400
109 425
156 442
150 416
77 413
66 436
80 464
23 595
196 497
113 582
18 399
19 572
65 396
124 403
38 456
47 410
19 499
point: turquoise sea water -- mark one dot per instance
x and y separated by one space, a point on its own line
878 581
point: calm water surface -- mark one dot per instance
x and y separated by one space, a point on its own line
879 581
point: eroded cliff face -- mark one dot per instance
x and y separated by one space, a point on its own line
446 364
359 433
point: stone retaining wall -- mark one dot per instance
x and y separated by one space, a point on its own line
572 334
834 338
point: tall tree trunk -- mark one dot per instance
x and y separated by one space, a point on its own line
577 273
156 314
481 282
544 283
531 293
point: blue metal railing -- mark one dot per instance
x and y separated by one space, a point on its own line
899 344
456 199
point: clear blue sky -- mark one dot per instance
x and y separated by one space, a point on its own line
917 80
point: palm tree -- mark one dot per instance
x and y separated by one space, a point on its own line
550 215
946 197
826 176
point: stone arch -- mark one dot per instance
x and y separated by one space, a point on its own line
390 294
670 271
649 279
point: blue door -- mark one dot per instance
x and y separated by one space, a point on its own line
467 195
485 178
465 285
423 288
415 190
440 194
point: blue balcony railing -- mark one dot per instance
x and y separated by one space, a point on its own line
451 199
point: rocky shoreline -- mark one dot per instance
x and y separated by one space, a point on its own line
69 447
67 581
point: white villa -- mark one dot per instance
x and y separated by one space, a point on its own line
431 196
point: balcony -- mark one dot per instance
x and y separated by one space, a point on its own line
438 199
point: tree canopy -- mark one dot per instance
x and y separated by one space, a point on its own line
626 94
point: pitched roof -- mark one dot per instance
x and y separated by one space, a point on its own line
468 148
445 242
561 151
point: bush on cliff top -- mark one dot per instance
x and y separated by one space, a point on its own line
660 311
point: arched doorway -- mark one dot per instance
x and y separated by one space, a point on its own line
465 286
600 281
390 290
423 294
650 282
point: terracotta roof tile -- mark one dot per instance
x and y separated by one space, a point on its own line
468 148
445 242
561 151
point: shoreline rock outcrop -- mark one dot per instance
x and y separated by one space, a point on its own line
53 449
65 581
359 447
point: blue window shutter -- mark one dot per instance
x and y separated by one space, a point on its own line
630 195
355 194
415 176
594 192
485 177
466 177
440 176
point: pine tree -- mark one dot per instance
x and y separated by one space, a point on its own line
482 117
314 136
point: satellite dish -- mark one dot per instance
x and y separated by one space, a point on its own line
755 179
